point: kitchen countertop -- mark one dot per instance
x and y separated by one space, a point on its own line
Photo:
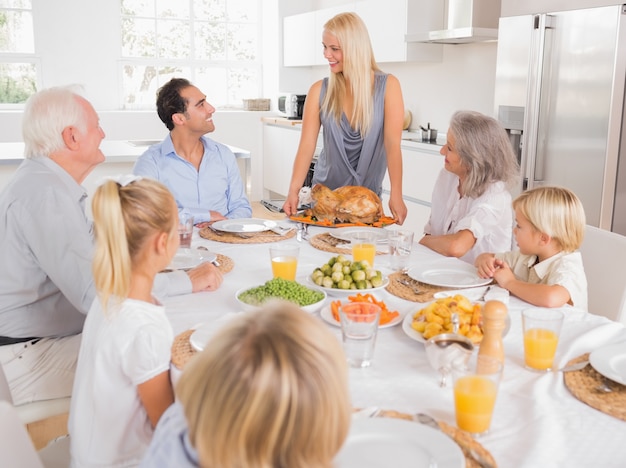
116 151
410 139
281 121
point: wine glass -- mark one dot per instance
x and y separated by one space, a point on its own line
445 350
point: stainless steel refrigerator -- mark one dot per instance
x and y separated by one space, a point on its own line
560 81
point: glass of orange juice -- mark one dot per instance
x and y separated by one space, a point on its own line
284 260
475 390
364 247
542 327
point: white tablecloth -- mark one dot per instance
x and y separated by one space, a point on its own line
537 422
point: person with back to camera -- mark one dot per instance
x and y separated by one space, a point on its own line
122 384
547 270
269 390
471 203
46 247
201 173
362 112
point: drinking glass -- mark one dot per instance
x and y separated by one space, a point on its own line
400 244
284 259
185 229
542 327
364 247
359 327
475 389
445 350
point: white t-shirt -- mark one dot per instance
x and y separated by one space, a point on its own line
488 217
108 424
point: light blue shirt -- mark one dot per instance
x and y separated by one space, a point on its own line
215 186
170 446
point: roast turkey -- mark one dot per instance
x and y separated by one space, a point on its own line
349 204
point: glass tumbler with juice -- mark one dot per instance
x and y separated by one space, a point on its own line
284 261
475 390
541 337
364 247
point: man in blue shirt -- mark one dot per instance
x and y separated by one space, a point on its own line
202 174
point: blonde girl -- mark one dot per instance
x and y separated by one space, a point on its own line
547 270
270 390
362 112
122 384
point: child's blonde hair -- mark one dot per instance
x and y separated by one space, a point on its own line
555 211
270 390
358 64
124 217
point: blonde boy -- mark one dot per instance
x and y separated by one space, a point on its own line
547 270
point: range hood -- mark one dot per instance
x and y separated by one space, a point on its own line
467 21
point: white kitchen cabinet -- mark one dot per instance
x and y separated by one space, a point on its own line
297 44
387 27
280 144
420 168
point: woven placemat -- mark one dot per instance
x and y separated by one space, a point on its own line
463 439
182 351
226 263
328 243
413 290
583 383
258 238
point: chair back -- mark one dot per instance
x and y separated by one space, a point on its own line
16 447
604 259
37 410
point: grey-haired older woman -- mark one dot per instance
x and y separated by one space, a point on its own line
471 209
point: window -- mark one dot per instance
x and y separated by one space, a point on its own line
213 43
18 65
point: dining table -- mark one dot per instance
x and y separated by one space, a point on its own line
537 421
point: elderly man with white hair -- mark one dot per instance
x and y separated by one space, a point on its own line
46 246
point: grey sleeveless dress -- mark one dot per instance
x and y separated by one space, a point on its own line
347 158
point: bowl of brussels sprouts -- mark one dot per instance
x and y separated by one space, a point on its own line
340 276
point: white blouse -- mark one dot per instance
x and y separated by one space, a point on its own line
108 424
488 217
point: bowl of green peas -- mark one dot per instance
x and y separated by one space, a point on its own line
308 298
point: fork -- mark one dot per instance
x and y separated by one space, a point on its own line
484 294
409 285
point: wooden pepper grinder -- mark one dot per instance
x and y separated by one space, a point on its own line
494 316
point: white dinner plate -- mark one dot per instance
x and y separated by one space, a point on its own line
190 258
201 335
610 361
243 225
327 315
348 292
417 336
448 274
376 442
408 329
346 233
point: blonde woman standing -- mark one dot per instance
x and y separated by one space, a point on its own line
362 112
122 384
270 390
